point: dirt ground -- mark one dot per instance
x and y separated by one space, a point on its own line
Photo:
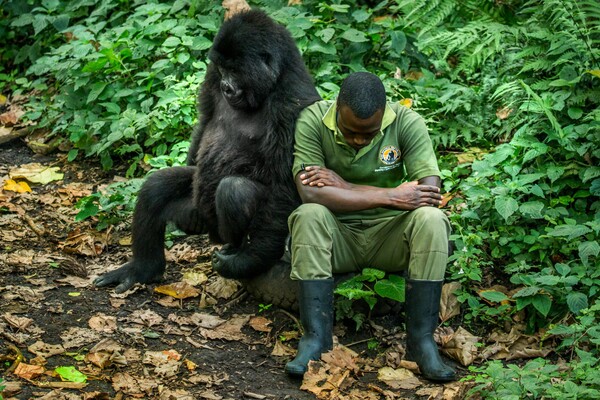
207 339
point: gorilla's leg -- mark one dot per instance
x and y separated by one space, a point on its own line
165 196
236 201
263 242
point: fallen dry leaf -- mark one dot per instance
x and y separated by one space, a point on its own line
222 288
282 350
194 278
20 323
399 378
27 371
449 305
37 173
260 324
45 350
229 330
178 290
462 347
103 323
342 357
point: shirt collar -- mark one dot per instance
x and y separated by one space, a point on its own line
329 119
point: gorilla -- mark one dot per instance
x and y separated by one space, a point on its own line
238 185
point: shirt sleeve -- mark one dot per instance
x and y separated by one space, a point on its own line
416 147
308 146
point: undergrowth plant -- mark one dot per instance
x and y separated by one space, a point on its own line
370 286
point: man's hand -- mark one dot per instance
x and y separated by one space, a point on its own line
412 195
320 176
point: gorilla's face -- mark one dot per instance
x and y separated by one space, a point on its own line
245 82
248 57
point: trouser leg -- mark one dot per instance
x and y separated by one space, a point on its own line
321 245
416 241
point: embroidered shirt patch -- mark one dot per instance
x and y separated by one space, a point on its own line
389 155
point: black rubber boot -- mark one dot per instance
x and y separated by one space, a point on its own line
422 309
316 316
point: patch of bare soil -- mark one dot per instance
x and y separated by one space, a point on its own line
202 337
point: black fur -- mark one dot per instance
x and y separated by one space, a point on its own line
238 186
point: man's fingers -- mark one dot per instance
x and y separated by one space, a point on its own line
428 188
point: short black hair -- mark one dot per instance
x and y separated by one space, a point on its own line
364 93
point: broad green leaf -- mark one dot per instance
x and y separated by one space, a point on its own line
562 330
554 172
392 288
562 269
71 374
493 296
172 41
506 206
591 173
372 274
326 34
360 15
355 36
548 280
95 91
542 303
571 231
502 153
577 301
526 292
575 112
587 250
96 65
200 43
325 48
354 293
398 41
537 190
532 209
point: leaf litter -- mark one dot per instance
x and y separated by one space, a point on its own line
195 336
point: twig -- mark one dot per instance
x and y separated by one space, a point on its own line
293 318
18 358
34 227
15 134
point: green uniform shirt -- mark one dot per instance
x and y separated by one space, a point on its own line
401 152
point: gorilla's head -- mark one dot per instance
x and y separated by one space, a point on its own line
249 54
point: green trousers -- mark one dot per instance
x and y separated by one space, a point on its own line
322 245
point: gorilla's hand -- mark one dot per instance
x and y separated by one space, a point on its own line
235 263
131 273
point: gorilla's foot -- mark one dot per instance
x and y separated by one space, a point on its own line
131 273
235 263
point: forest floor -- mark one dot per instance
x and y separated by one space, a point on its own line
213 342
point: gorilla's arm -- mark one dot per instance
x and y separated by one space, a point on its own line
206 109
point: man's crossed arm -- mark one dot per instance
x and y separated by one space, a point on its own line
323 186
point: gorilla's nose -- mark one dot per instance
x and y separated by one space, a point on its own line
227 89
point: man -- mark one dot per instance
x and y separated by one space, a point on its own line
370 186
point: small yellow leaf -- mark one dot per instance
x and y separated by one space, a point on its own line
19 187
74 294
2 99
178 290
406 102
595 72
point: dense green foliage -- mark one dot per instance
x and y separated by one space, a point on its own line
510 90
